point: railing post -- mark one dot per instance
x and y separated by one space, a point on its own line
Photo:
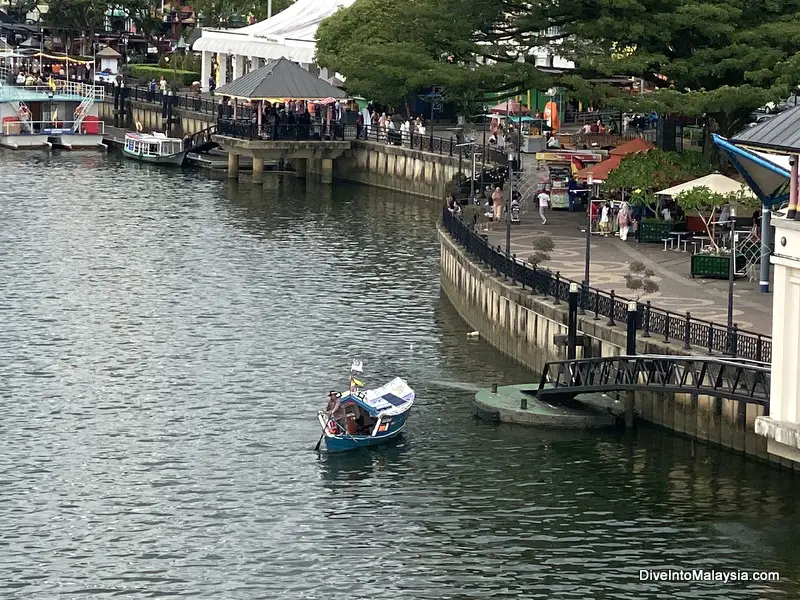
452 143
572 321
734 341
687 331
557 291
759 349
666 328
711 338
646 324
597 305
514 269
611 322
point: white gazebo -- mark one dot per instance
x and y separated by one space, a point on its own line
290 34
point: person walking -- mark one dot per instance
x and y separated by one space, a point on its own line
624 221
605 219
544 204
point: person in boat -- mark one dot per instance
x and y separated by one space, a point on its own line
334 407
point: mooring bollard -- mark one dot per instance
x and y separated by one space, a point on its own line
494 388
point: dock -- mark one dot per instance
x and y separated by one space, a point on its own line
518 404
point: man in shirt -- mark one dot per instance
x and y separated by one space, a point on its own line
544 203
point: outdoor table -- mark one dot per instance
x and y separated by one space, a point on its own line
701 239
678 235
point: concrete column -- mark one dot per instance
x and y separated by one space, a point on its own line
300 167
782 426
222 65
205 70
766 242
238 66
792 212
233 165
326 172
258 170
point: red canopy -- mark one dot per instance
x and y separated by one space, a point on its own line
513 107
601 170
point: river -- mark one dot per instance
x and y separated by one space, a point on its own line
166 340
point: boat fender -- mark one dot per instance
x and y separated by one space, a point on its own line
23 111
138 126
333 428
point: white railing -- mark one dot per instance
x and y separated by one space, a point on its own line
61 86
52 128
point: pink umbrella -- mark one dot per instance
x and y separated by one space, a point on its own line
513 107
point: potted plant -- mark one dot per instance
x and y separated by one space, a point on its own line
713 260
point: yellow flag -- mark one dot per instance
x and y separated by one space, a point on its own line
357 382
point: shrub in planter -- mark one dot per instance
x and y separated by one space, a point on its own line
148 72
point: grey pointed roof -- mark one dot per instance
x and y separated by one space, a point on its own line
108 52
280 78
780 133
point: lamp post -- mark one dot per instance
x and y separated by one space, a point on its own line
589 182
483 152
510 192
731 274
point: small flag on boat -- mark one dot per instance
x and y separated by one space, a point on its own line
357 382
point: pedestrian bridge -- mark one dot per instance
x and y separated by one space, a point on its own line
736 379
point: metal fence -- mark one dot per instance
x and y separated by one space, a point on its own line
653 322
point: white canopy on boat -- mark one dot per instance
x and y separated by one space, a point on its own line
394 398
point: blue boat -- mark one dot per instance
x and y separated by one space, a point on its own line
361 418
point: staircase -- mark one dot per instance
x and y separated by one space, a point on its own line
81 112
19 108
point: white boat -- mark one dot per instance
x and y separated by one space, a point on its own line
33 116
154 148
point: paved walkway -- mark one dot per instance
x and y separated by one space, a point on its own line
610 257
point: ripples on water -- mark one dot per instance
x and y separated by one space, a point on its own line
166 340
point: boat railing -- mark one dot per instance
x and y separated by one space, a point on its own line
52 128
61 87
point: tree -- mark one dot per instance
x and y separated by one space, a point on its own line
19 9
642 174
389 48
223 13
704 203
639 279
542 247
81 18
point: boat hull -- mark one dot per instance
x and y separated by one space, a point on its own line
24 142
347 442
175 160
77 141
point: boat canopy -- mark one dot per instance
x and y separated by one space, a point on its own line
393 398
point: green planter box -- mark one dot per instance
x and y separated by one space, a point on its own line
655 231
715 266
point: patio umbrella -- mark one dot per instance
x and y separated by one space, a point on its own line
512 106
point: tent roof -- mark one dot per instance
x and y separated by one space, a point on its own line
280 78
716 182
289 34
631 146
108 52
781 133
513 107
766 174
600 171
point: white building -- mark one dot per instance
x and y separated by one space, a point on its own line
289 34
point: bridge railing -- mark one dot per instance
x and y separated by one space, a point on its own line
652 321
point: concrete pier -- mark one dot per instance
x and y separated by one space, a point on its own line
233 166
258 170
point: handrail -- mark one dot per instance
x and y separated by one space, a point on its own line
743 381
652 321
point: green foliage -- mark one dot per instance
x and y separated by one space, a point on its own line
542 247
189 63
147 72
639 279
644 173
163 63
224 13
704 203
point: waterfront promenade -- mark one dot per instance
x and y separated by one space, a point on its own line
610 258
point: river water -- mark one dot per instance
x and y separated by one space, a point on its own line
166 340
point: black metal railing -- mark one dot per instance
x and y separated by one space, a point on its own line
720 377
247 129
670 327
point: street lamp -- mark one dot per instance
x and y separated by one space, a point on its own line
590 183
731 274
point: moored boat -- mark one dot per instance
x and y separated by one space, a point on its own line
154 148
360 418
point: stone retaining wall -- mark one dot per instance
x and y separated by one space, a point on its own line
523 325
